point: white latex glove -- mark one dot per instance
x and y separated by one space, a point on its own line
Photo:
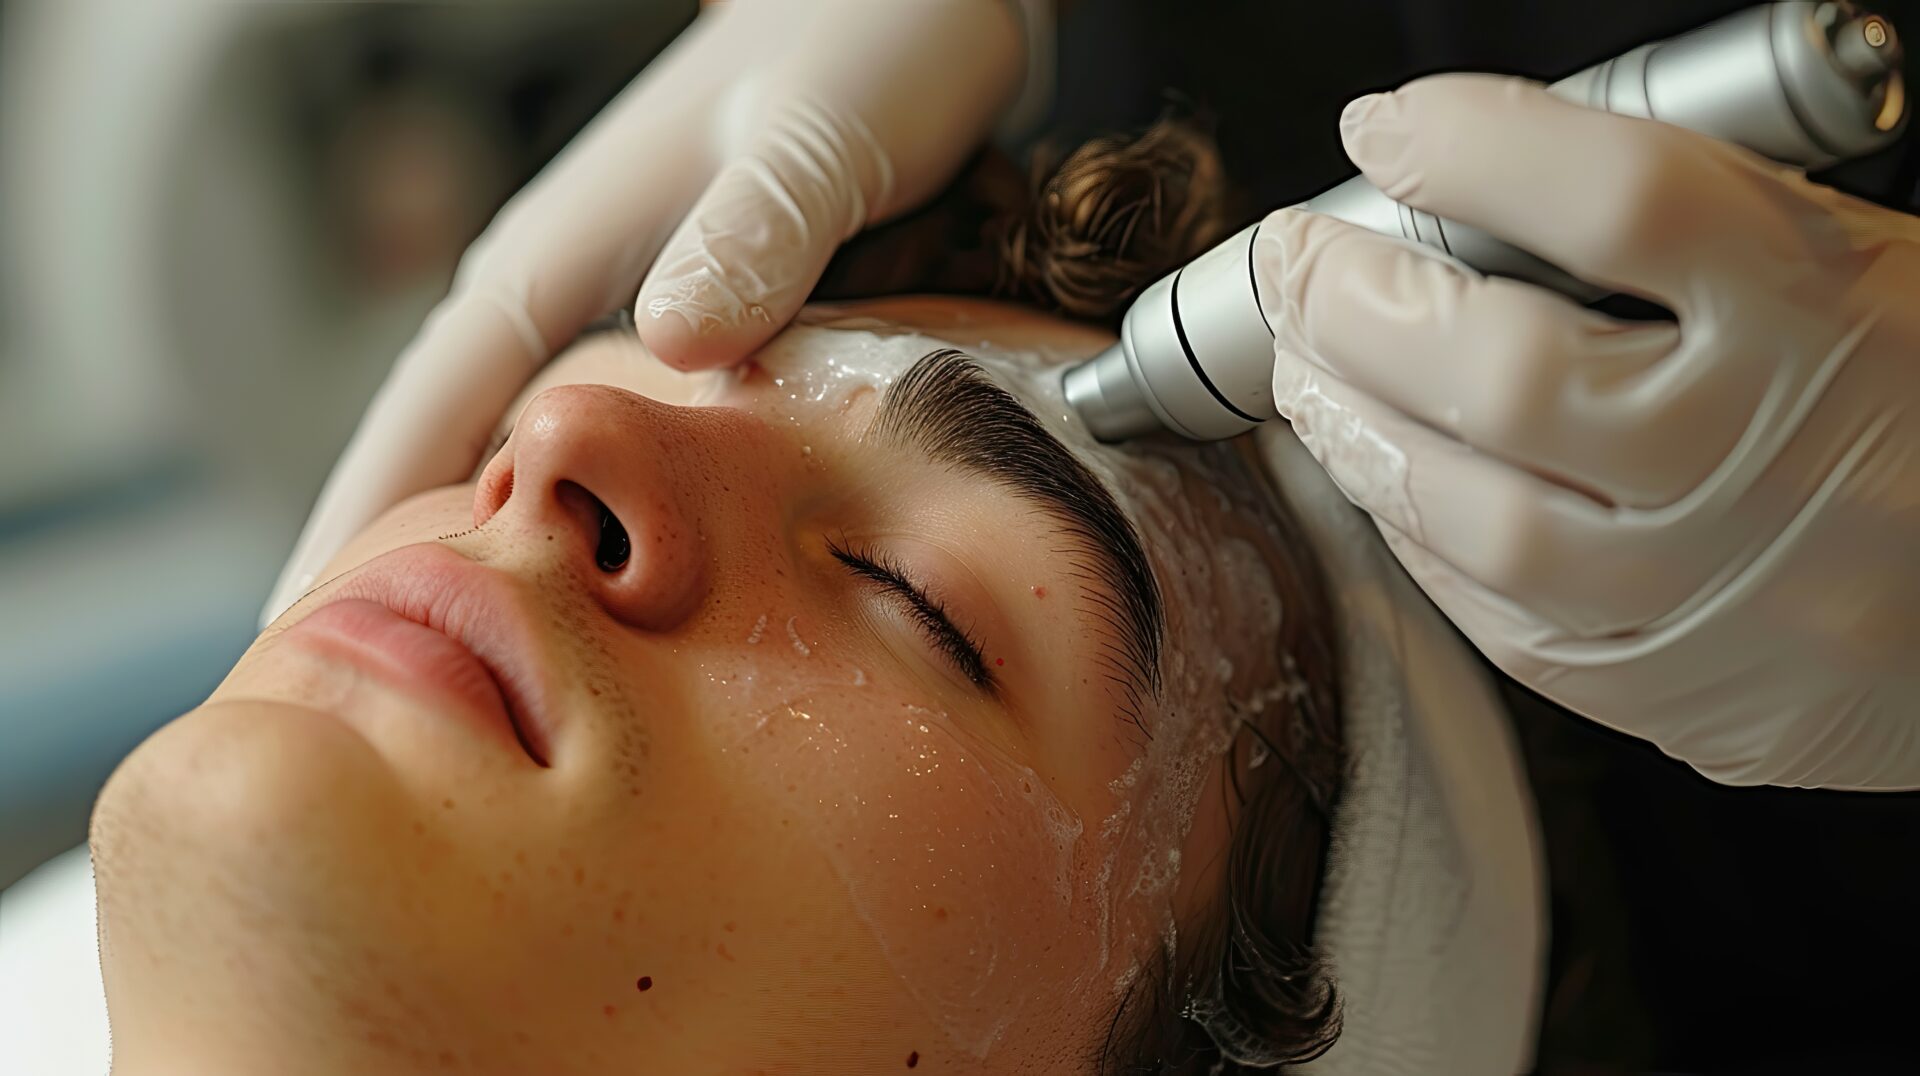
727 173
1705 534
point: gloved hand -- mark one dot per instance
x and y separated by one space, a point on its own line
767 135
1705 534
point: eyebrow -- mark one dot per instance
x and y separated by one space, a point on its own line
947 407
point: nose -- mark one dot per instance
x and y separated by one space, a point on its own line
617 480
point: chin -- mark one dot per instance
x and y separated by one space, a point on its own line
247 802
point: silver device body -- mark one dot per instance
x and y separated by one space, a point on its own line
1804 83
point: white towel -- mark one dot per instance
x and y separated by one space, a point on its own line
1433 911
53 1010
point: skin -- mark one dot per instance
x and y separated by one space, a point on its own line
326 868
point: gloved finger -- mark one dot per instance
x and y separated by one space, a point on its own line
1677 679
1606 406
1628 203
843 148
572 245
426 427
1549 550
751 249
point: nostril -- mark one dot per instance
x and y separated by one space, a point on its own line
614 546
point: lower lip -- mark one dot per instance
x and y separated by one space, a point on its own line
413 658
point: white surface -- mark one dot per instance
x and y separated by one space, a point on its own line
53 1010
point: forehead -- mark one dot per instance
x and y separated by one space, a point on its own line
831 348
841 344
832 352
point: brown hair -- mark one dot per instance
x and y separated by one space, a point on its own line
1081 235
1246 990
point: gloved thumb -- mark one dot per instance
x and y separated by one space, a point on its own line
755 243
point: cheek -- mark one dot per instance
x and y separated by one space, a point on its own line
960 862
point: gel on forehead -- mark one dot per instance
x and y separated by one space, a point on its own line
1100 887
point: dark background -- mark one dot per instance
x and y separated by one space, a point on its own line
1275 74
1696 928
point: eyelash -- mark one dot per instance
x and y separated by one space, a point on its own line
926 611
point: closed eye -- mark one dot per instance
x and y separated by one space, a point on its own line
955 644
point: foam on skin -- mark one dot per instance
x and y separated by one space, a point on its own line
940 806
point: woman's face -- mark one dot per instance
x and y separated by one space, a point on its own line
836 724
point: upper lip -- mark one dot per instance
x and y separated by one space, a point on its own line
478 607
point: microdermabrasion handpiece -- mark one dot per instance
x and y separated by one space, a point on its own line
1804 83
